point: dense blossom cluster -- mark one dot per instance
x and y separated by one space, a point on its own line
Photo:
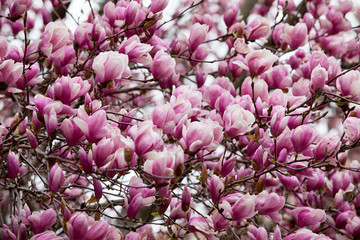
217 120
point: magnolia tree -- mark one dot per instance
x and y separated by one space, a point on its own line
194 119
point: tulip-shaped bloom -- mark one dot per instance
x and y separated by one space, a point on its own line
41 222
97 188
305 216
4 47
352 129
135 50
185 199
230 14
227 166
197 135
47 235
261 88
197 36
201 225
255 233
244 207
304 233
302 137
295 36
290 182
68 89
81 36
163 117
72 133
278 77
327 147
319 76
138 196
269 204
109 66
97 231
146 137
102 152
216 186
318 58
77 226
340 180
51 122
32 139
163 65
56 178
18 8
237 120
131 11
161 165
55 38
349 84
257 62
93 127
257 28
86 160
219 221
13 165
158 5
10 72
278 122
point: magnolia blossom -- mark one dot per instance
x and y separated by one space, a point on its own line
54 40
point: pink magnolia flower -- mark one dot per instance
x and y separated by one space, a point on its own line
97 188
318 78
255 233
258 61
18 8
161 165
269 204
327 146
216 186
244 207
230 14
203 226
51 122
304 233
237 120
77 226
197 36
56 178
349 84
352 129
278 122
94 126
219 221
102 152
71 132
12 165
4 48
305 216
111 66
41 222
185 199
197 136
146 137
32 139
295 36
10 72
164 117
302 137
135 50
257 28
47 235
260 88
138 197
67 89
158 5
163 65
54 40
290 182
97 231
